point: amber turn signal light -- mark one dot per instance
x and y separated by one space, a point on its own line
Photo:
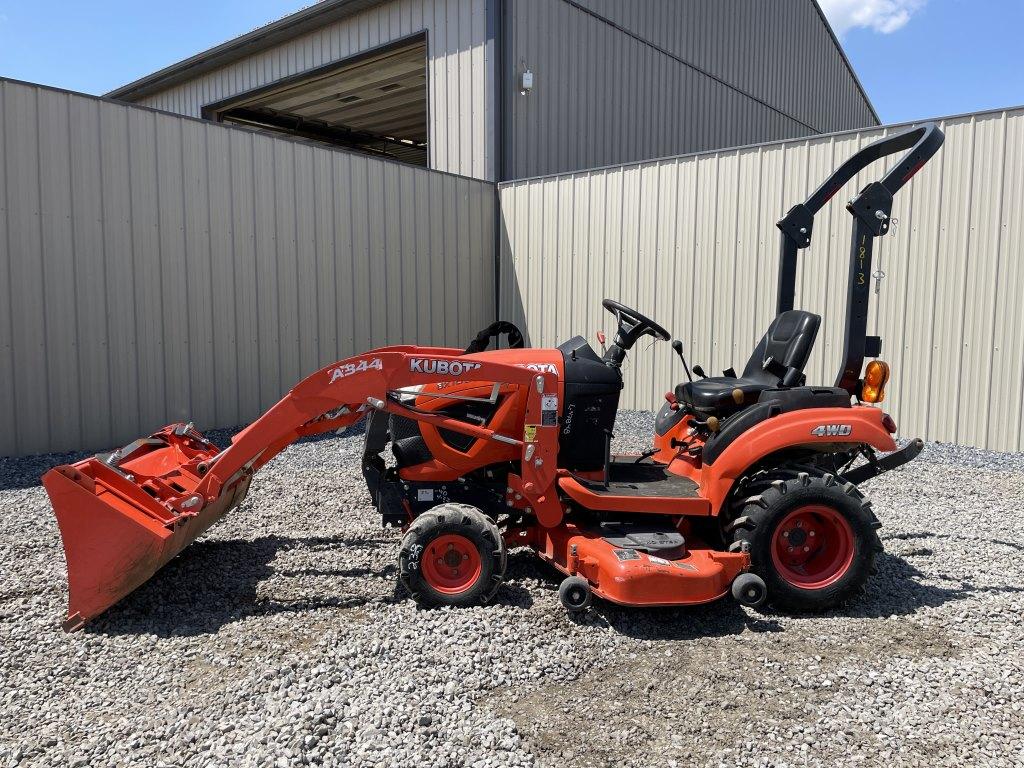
876 375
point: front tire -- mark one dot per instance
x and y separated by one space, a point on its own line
812 540
452 555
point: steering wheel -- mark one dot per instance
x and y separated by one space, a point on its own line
632 323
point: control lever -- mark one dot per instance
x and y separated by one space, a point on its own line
677 345
602 339
711 424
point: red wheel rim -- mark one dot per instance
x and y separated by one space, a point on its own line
451 564
812 547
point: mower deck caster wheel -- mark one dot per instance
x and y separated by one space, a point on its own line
574 594
749 589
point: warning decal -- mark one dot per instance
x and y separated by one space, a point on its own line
549 410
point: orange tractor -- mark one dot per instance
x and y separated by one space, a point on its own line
750 486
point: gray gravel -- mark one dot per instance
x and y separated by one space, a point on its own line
279 640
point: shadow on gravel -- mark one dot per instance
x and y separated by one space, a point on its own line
522 565
26 471
968 540
213 583
898 589
718 619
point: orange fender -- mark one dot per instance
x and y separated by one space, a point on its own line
859 424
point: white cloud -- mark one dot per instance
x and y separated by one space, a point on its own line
885 16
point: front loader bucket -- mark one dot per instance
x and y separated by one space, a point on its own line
123 516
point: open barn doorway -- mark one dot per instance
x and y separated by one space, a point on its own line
375 102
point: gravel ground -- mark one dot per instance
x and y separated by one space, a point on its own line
279 640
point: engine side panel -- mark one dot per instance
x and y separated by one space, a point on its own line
592 392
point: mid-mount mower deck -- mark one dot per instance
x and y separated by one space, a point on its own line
750 485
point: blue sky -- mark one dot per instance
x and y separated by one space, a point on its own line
916 58
940 57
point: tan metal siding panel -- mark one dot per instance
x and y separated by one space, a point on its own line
394 310
306 260
983 261
197 276
156 268
8 404
376 256
115 194
440 278
146 260
25 239
1005 425
322 232
419 226
461 99
90 272
691 240
359 234
173 267
244 286
222 326
58 242
954 227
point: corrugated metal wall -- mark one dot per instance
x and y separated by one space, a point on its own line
156 268
691 241
611 85
460 63
779 51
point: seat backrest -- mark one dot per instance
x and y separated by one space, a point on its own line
788 340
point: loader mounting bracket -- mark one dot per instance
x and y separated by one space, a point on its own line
797 225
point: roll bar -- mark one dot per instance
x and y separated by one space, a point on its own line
871 210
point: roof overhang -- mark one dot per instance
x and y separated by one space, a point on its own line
274 33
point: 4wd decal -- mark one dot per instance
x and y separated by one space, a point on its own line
832 430
441 367
349 369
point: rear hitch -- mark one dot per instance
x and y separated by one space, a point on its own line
876 467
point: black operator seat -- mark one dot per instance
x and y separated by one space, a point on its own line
778 359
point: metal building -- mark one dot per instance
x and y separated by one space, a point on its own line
692 241
502 89
158 268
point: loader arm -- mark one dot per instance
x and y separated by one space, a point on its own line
125 514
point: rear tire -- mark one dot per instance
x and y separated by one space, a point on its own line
812 540
452 555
